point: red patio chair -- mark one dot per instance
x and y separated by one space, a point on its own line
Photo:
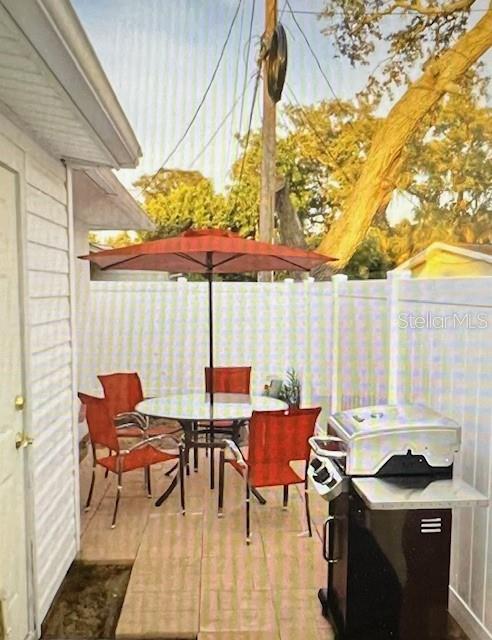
223 380
276 438
123 391
144 454
228 379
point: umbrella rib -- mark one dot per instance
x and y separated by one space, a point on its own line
190 259
234 257
293 264
113 264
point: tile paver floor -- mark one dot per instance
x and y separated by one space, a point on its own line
194 576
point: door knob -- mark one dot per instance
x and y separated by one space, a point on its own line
19 403
22 441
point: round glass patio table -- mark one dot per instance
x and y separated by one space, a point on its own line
196 407
191 409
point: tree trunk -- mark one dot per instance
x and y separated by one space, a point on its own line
290 227
377 180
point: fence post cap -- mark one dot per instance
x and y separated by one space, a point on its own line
399 274
339 277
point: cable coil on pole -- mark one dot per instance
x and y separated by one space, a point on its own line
277 63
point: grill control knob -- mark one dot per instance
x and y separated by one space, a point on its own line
316 463
322 476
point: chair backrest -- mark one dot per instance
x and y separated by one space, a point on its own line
101 427
122 391
281 436
228 379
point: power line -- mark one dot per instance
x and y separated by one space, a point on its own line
236 77
200 104
306 39
248 133
246 64
222 123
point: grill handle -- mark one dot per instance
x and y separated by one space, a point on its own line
316 444
329 520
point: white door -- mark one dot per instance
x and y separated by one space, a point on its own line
14 613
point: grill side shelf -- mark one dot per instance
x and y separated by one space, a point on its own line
408 493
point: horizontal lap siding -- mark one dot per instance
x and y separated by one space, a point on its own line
51 378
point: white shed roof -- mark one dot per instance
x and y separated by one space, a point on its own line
475 251
52 85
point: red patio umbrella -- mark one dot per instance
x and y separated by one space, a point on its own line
208 251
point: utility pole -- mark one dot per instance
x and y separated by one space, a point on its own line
268 134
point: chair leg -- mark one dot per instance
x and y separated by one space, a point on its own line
258 495
212 460
181 480
93 481
306 504
248 506
221 483
187 459
170 471
195 450
117 501
286 497
149 482
106 473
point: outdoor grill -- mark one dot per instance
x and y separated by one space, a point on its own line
387 474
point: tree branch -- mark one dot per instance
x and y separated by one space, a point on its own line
445 10
382 165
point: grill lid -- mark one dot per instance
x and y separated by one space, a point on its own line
379 419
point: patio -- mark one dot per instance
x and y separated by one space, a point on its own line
194 576
346 341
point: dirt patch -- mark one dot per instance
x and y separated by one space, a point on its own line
88 603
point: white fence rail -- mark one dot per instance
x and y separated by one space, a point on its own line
353 343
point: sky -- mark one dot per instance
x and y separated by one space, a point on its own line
159 56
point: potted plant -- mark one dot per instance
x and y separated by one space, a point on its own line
291 389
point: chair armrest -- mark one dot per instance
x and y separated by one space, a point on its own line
236 452
125 425
173 442
133 417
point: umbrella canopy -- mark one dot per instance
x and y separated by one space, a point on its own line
208 251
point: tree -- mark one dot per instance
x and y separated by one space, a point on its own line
319 156
452 156
437 32
178 199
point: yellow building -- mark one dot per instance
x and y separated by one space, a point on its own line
441 260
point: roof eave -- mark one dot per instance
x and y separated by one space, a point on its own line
422 256
103 203
54 30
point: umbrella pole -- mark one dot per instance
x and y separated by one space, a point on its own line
211 364
210 335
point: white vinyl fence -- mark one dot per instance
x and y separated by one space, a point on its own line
353 343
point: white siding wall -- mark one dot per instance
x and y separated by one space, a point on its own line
47 316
